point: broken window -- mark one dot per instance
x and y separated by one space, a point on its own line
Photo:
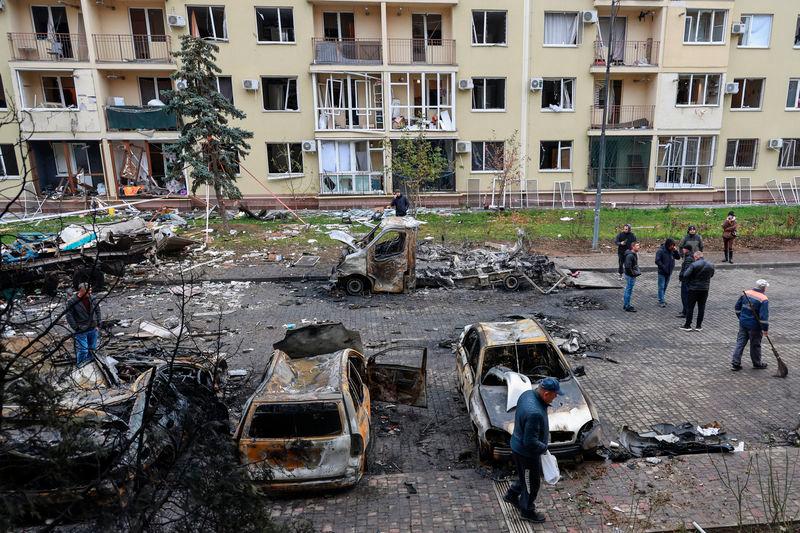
279 94
698 89
558 94
422 101
351 167
758 31
207 22
790 154
705 26
555 155
225 87
8 161
154 89
349 101
685 161
749 95
488 27
275 24
59 90
284 159
489 94
561 29
797 33
741 153
793 96
487 156
536 361
296 420
472 343
389 244
355 386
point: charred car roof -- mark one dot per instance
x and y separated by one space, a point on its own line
512 332
307 378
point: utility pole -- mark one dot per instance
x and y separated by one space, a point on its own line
602 166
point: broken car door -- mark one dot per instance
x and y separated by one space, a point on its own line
397 382
387 261
469 350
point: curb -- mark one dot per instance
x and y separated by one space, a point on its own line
735 266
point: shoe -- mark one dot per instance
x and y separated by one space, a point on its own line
736 368
682 315
513 499
630 309
662 304
760 366
686 328
534 516
730 258
698 329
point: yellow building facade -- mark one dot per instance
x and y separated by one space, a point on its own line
703 99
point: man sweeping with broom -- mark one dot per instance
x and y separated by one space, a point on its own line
752 308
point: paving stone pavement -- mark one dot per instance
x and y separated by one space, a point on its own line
663 375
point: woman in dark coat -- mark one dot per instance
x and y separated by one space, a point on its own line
729 228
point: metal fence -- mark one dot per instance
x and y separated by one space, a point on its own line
48 46
624 117
422 51
347 51
133 48
627 53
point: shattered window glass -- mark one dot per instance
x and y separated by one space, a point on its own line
536 361
296 420
388 244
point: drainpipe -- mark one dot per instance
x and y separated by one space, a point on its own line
523 128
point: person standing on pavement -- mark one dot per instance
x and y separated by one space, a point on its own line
750 328
624 240
688 259
698 276
729 227
528 442
665 261
400 204
631 273
692 239
83 317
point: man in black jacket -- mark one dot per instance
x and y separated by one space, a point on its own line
698 276
665 261
624 240
632 272
400 204
688 259
83 316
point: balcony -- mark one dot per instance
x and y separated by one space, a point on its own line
640 54
624 117
132 48
131 118
347 51
48 47
422 52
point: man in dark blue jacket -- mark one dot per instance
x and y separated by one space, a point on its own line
624 240
698 277
750 328
528 442
665 261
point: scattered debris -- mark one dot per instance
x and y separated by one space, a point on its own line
669 439
582 303
306 261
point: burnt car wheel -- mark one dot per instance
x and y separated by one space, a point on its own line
511 283
355 285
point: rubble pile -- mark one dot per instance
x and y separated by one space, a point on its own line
570 341
582 303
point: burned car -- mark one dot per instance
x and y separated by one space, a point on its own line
307 425
490 356
382 261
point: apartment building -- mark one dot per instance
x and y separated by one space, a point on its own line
703 97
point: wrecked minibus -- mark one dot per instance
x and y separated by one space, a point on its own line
307 425
382 261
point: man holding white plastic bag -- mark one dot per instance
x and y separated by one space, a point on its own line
528 443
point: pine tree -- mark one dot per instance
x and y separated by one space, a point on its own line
209 147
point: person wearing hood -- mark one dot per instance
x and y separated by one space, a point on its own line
631 273
692 239
665 261
729 227
624 240
698 276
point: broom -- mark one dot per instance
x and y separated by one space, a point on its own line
783 370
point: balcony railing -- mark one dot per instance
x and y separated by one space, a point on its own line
627 53
624 117
48 46
422 51
130 118
132 48
632 177
347 51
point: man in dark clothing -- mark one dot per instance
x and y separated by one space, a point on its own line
698 277
688 259
83 316
665 261
632 272
624 240
750 328
400 204
528 442
692 240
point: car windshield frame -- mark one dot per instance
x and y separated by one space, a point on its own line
511 351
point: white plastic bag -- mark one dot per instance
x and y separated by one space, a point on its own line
550 470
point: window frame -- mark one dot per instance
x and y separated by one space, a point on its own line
288 79
736 154
578 31
4 175
561 93
742 85
216 81
280 26
560 147
61 93
484 109
156 89
796 107
795 143
688 19
705 90
3 99
685 156
484 155
485 13
797 34
290 174
225 38
749 16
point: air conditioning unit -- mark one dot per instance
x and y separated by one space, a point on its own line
176 21
732 87
181 85
463 147
589 17
537 84
309 146
465 85
250 85
775 144
738 28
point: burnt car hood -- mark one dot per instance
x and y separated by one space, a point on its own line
567 413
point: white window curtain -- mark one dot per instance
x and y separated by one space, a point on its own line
759 29
328 156
566 94
561 28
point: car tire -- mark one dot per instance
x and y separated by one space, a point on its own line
511 283
484 450
355 285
